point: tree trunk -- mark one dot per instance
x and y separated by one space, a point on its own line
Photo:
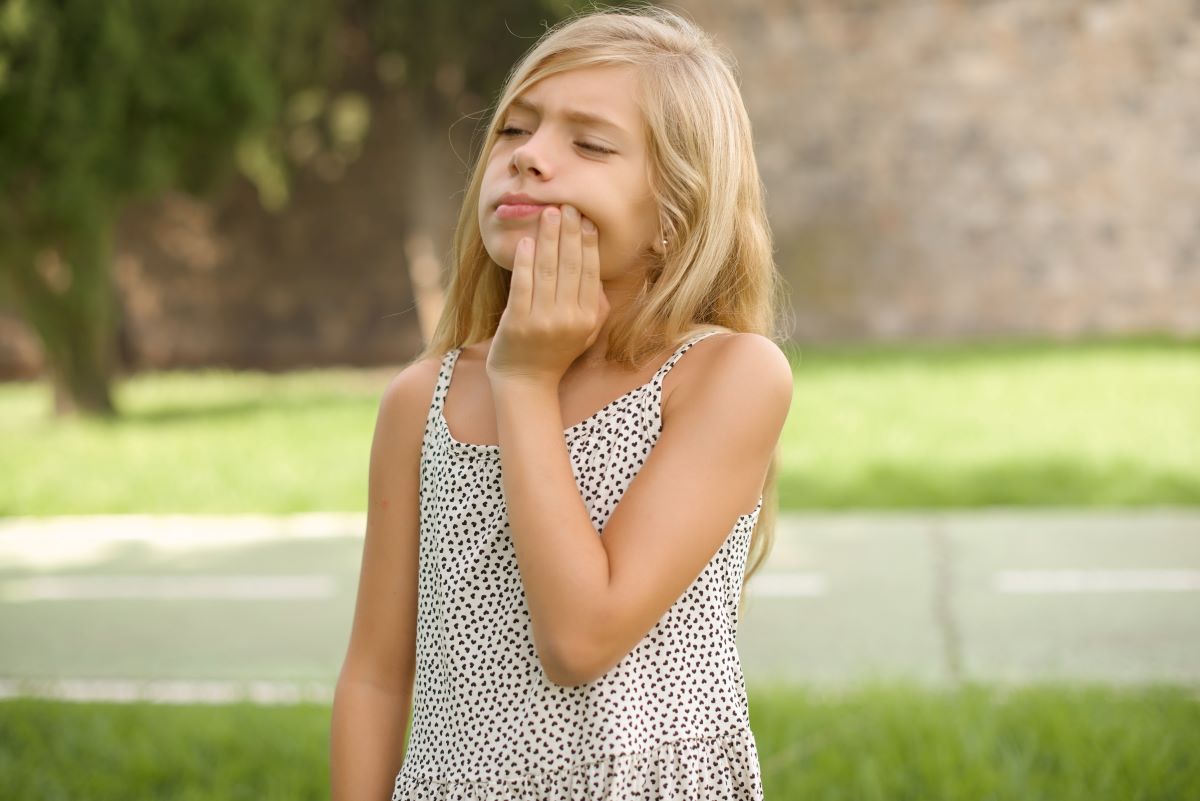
432 179
66 294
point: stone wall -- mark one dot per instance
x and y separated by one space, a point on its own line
958 170
935 170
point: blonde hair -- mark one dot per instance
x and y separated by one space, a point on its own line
719 273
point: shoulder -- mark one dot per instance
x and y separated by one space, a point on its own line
404 405
740 365
414 384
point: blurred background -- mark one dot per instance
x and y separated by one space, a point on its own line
224 225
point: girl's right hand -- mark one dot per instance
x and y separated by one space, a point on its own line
556 303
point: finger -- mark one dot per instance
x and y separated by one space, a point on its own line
589 275
545 260
520 291
570 257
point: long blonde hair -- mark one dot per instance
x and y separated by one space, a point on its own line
719 273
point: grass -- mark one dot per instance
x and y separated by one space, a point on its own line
881 741
1065 742
1099 424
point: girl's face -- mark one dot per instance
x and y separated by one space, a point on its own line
575 138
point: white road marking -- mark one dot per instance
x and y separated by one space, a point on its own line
786 585
1064 581
167 691
134 587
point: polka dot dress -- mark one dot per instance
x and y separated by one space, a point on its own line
669 721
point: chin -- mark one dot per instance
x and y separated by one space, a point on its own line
504 263
501 252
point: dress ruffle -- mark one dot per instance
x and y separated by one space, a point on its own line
697 769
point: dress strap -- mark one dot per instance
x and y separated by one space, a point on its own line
451 357
682 349
443 386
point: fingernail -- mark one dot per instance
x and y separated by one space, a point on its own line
551 213
588 226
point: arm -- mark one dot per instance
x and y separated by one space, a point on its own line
373 696
591 598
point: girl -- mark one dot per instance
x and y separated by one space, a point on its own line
559 607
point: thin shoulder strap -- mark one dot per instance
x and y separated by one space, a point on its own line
682 349
451 357
442 386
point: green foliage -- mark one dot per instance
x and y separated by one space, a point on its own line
101 102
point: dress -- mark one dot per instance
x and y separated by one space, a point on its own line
669 721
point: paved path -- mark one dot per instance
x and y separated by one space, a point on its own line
193 608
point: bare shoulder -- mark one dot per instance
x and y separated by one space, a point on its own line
742 363
411 390
403 411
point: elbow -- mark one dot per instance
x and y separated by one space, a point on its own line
564 678
570 664
576 653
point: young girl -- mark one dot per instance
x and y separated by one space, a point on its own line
559 607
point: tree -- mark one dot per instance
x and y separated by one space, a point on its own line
105 103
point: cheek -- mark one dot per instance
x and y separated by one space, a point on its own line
621 234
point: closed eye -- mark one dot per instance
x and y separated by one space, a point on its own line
510 132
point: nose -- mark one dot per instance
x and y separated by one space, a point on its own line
531 158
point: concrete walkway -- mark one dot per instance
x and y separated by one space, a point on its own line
195 608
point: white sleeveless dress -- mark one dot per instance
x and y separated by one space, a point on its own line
669 721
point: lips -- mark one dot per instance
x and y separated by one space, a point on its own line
519 199
514 206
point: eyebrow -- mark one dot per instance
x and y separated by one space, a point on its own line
574 115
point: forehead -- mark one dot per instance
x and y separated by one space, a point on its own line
588 94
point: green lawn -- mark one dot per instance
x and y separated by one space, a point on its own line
1025 424
1100 424
881 742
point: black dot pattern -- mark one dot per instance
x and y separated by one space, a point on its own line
669 721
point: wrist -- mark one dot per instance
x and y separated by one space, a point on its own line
523 383
524 398
522 386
